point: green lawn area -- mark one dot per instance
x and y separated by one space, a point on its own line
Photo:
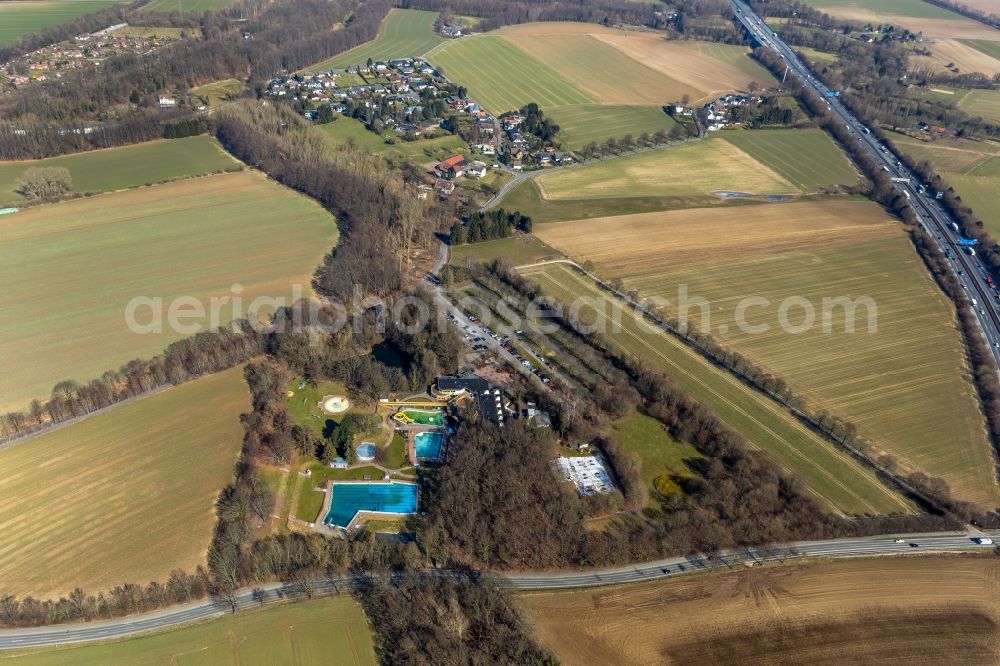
663 458
982 103
71 269
126 495
422 151
19 18
520 249
502 77
130 166
395 456
819 57
405 33
807 158
212 94
332 630
833 477
304 408
187 6
582 123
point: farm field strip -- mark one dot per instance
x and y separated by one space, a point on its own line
832 476
904 386
187 6
405 33
332 630
20 18
130 166
707 166
70 269
126 495
581 124
808 158
501 77
875 610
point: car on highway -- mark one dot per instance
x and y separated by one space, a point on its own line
984 541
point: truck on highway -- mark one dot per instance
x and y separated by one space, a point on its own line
984 541
968 242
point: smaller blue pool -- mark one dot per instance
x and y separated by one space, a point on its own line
349 498
428 445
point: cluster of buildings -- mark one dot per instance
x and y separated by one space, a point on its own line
83 51
718 113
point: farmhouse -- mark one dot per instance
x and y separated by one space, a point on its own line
453 167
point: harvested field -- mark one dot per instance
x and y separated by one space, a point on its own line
130 166
187 6
405 33
691 169
70 269
836 480
882 610
600 70
126 495
712 69
965 56
581 124
808 159
330 631
904 385
501 77
20 18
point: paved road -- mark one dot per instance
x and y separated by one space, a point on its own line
971 271
550 580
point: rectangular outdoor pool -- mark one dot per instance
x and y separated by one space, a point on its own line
349 498
428 445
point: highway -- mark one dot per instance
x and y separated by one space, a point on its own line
970 270
543 580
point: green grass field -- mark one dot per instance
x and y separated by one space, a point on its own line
20 18
126 495
213 94
422 151
331 631
582 123
834 478
405 33
904 384
982 103
523 249
808 159
664 459
187 6
70 269
131 166
303 405
501 77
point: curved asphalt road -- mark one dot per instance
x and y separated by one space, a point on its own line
554 580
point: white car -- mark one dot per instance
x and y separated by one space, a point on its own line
985 541
899 540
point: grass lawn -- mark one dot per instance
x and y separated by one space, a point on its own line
395 457
19 18
422 151
405 33
70 269
333 630
663 458
187 6
126 495
502 77
982 103
580 124
904 385
839 482
807 158
130 166
520 249
819 57
304 408
213 94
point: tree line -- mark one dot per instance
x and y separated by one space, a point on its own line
488 225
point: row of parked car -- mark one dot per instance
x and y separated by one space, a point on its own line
472 334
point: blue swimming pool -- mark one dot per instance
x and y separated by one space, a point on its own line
428 445
349 498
